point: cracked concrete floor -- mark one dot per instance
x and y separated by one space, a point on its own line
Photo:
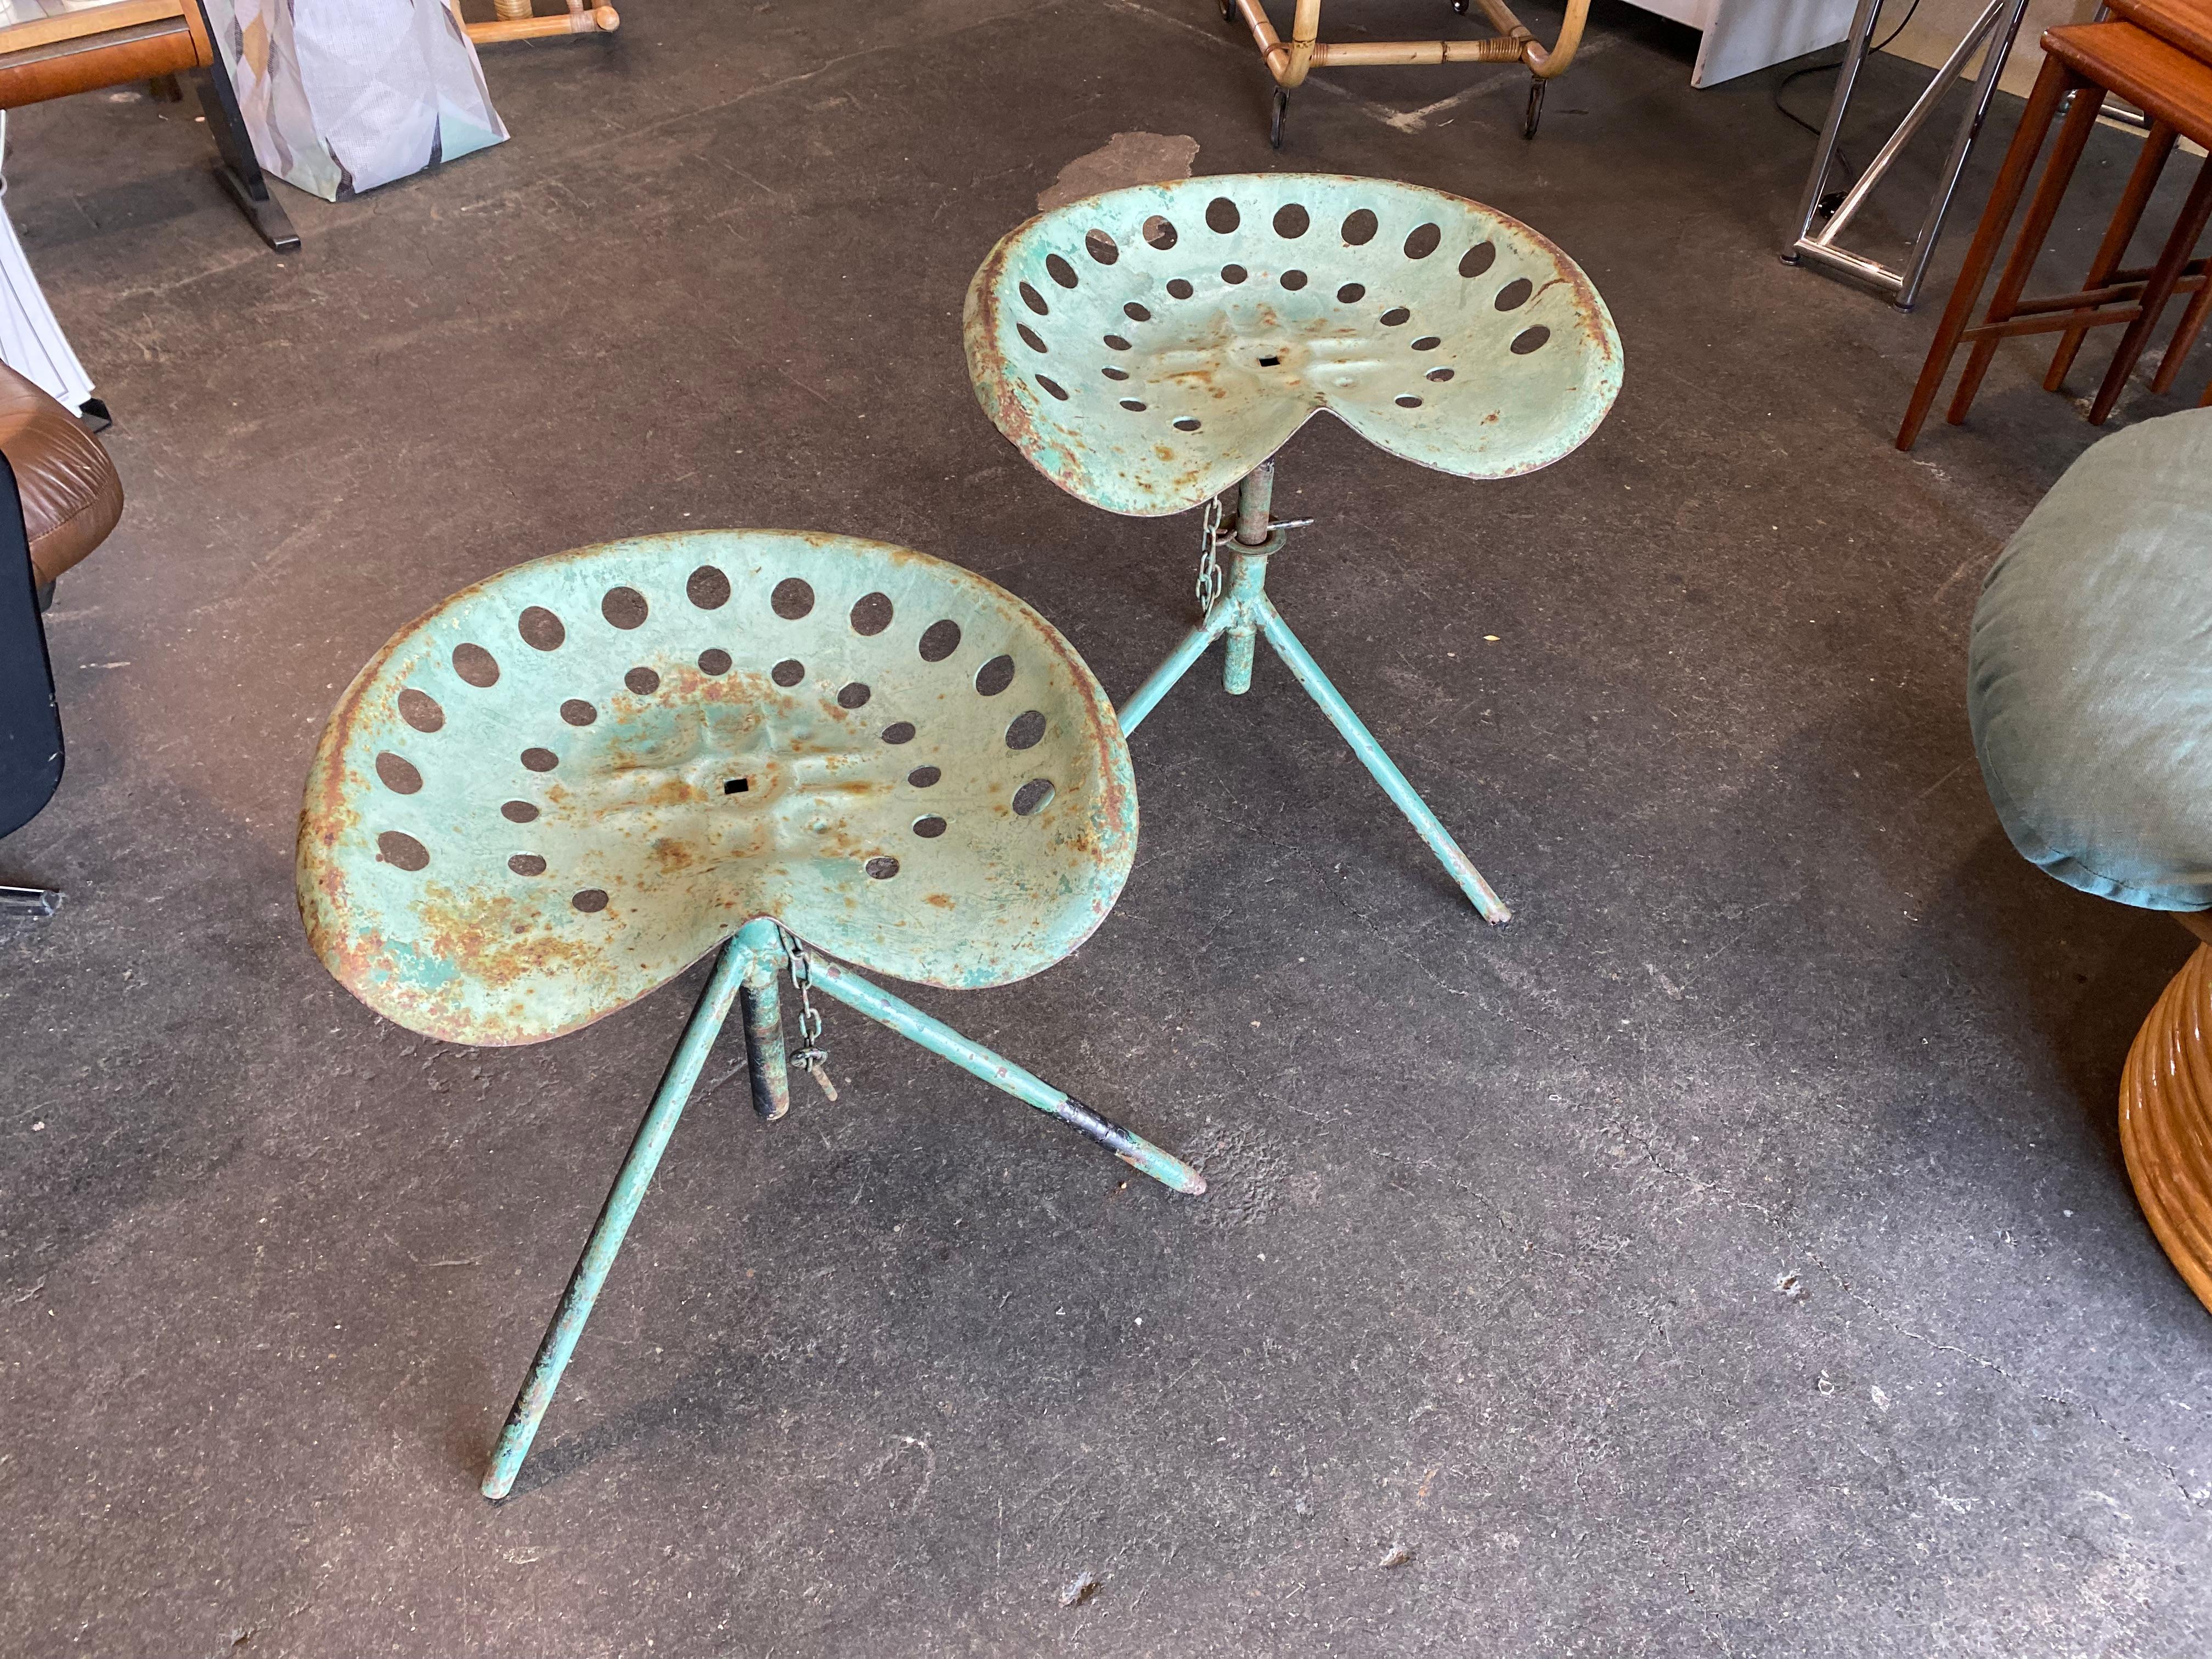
1732 1256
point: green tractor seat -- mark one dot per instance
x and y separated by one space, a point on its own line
562 787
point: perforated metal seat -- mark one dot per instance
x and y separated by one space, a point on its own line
562 787
1148 348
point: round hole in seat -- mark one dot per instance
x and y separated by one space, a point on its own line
1060 270
527 864
1178 289
881 868
476 665
1428 342
1030 338
922 777
591 900
1026 730
1222 216
1233 275
1530 339
929 827
1160 234
1293 280
899 731
940 639
1440 374
577 712
643 681
401 850
540 628
792 598
1515 293
1114 373
1351 294
1034 300
1478 259
518 811
995 676
420 710
1188 423
1134 405
1292 221
1359 226
1053 386
871 614
708 588
1100 246
715 662
1395 316
788 672
1033 797
1136 314
1115 343
1422 241
540 760
398 773
623 607
1408 400
854 693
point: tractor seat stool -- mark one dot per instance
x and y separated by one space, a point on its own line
1149 348
562 787
2173 88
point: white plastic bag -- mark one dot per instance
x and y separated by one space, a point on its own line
343 95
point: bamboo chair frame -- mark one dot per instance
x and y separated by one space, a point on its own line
516 20
1288 61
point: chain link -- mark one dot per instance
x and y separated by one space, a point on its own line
813 1059
1209 567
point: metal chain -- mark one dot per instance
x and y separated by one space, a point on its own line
1209 567
813 1059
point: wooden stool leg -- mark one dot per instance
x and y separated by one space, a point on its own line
1989 237
2158 145
2156 292
2177 349
2065 156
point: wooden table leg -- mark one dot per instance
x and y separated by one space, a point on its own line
2156 292
2158 145
2050 86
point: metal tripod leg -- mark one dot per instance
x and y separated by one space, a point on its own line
910 1021
616 1215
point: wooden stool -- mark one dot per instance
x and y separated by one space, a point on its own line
2089 61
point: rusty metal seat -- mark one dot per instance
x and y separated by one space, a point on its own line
564 785
1147 349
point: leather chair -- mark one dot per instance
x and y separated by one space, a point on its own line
59 496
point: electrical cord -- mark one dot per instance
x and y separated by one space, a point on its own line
1830 200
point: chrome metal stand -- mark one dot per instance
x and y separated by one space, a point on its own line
1996 27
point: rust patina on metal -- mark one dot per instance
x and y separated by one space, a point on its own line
1148 348
560 787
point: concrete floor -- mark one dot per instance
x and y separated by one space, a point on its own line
1732 1256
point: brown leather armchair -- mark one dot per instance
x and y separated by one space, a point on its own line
59 496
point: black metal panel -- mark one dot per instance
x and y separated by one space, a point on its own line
30 724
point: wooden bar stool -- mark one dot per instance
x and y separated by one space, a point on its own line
2174 89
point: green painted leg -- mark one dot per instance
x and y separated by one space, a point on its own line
620 1209
764 1051
910 1021
1403 794
1147 698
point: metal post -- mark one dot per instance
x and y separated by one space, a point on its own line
1996 28
1254 501
910 1021
616 1215
762 1006
1147 698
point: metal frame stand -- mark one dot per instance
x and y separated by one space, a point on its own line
1242 612
746 971
1998 24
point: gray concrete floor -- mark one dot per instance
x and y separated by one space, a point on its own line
1733 1256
